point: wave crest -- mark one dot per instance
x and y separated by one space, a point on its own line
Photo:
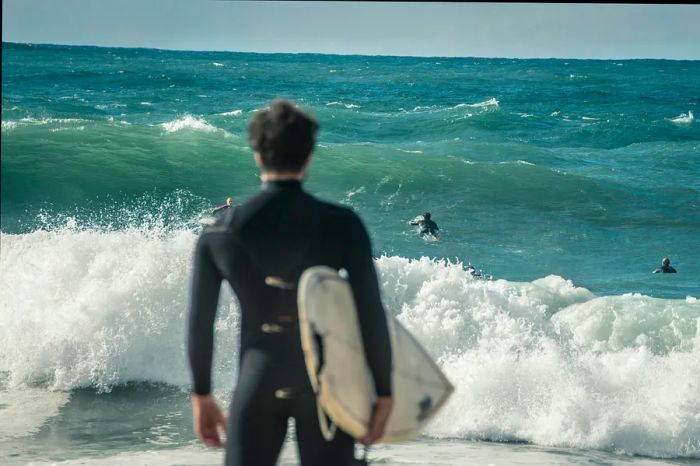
189 122
544 361
550 363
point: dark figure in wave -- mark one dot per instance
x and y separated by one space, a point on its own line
222 208
425 225
665 266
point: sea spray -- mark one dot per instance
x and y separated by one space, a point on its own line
536 171
101 308
549 363
88 307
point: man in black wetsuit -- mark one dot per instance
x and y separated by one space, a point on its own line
222 208
665 266
260 248
425 225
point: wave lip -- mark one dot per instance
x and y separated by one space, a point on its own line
487 105
189 122
231 113
330 104
490 103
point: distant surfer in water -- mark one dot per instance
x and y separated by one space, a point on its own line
261 248
425 225
222 208
665 266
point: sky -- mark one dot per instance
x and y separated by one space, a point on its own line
513 30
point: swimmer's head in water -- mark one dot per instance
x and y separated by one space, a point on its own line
283 135
666 261
426 215
229 201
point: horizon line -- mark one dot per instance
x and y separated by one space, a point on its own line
343 54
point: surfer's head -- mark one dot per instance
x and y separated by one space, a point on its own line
426 215
229 201
666 261
282 137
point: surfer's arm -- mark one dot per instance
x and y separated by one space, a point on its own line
370 311
206 283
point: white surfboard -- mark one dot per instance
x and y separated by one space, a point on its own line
343 383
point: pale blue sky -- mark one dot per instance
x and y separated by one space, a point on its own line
519 30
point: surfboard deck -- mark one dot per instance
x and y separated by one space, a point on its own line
338 370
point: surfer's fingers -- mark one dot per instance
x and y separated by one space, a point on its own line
210 436
380 416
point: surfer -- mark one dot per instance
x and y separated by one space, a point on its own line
665 266
222 208
425 225
260 248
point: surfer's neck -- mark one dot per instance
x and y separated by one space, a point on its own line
282 176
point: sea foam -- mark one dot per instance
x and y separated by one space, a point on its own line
189 122
550 363
684 118
232 113
330 104
542 361
8 125
110 307
490 103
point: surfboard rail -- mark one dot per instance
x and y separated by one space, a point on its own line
337 366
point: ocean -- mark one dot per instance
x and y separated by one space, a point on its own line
565 181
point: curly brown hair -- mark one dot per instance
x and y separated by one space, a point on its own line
283 135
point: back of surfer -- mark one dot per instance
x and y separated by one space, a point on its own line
425 225
260 248
665 266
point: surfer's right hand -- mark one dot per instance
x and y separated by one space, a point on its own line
209 421
380 416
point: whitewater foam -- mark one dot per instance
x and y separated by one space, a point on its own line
538 362
110 308
684 118
8 125
544 361
232 113
67 128
189 122
409 151
490 103
47 121
329 104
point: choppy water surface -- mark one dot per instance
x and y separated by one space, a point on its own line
567 180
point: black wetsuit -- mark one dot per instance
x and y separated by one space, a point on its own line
665 269
426 226
276 235
221 210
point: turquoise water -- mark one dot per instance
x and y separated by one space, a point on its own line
567 180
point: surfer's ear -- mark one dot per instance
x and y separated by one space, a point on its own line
307 164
